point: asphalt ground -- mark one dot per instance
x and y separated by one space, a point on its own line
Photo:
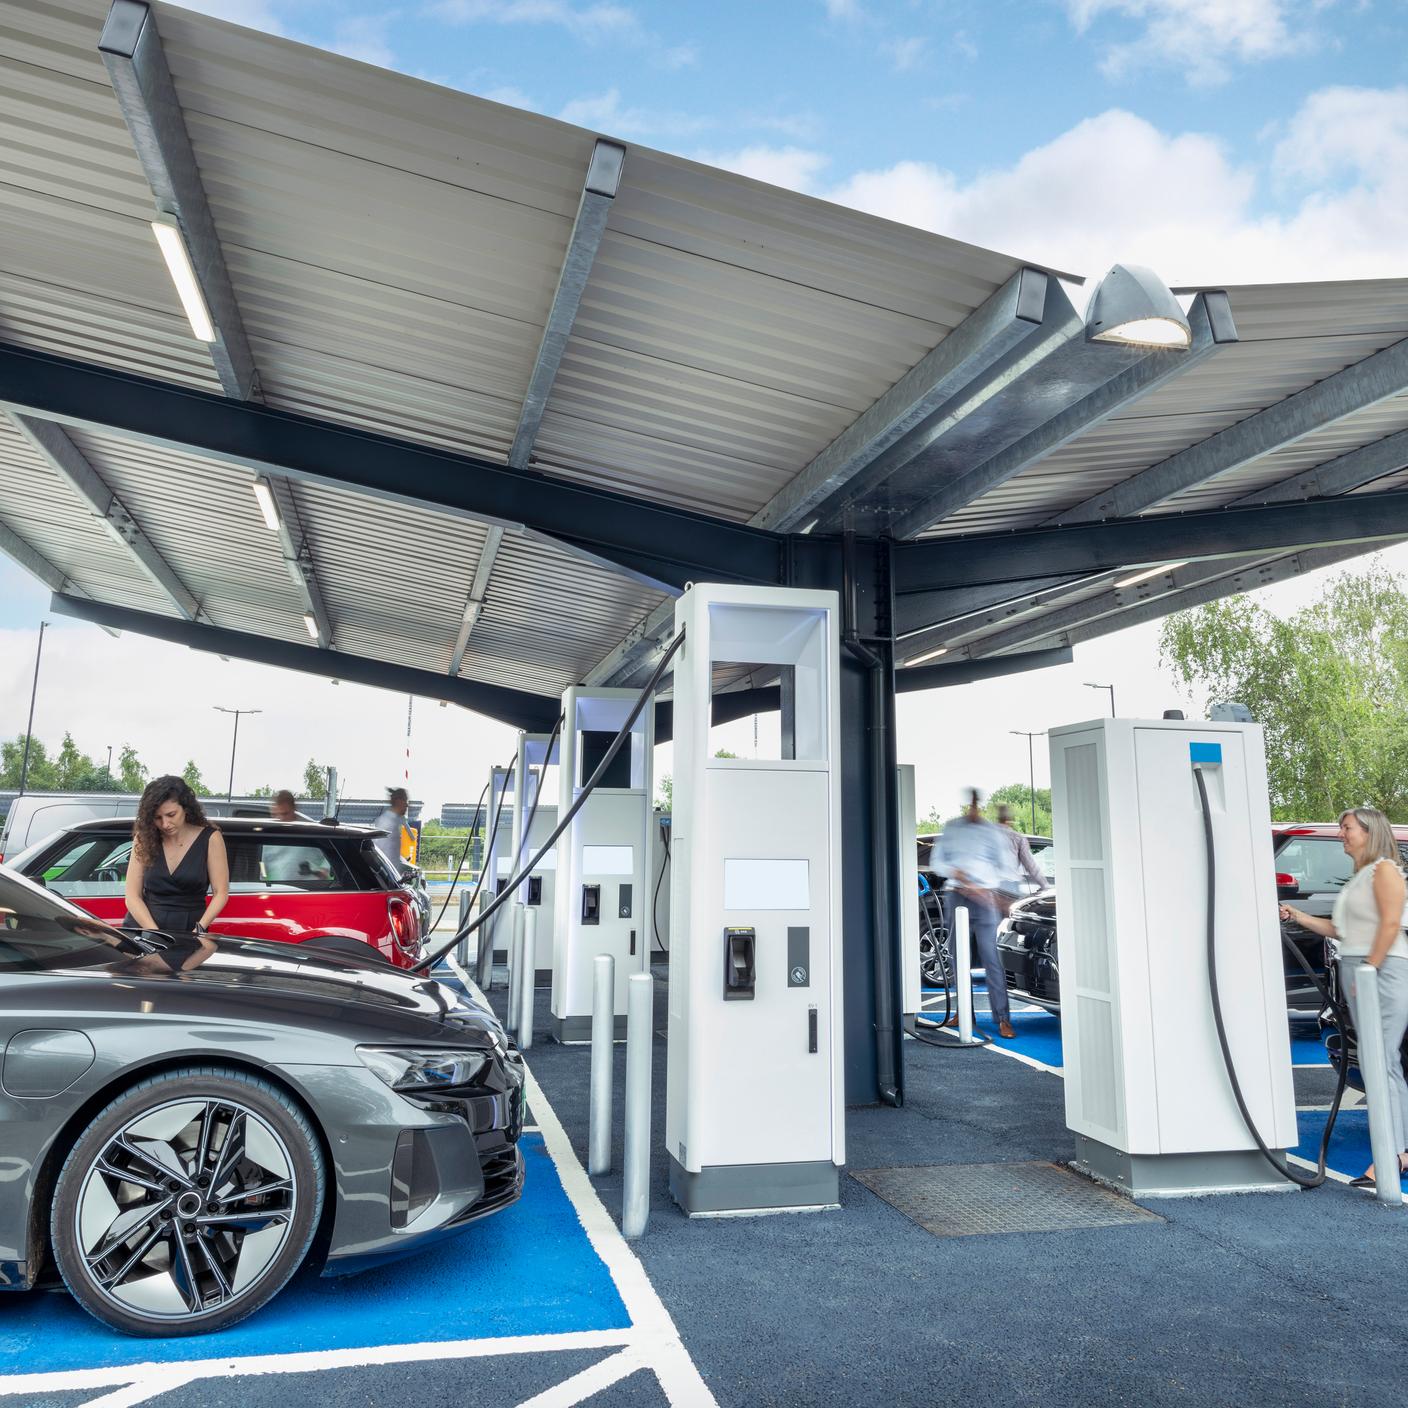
1279 1298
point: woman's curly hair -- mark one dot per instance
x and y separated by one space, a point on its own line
157 793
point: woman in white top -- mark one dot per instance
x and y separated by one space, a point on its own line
1367 922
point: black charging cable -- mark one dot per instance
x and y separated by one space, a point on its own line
655 898
1301 1180
592 783
469 841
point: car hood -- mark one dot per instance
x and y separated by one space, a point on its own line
249 978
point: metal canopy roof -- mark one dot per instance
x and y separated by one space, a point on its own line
422 265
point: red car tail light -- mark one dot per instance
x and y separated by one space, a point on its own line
405 922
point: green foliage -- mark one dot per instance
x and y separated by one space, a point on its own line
665 785
1330 686
1018 796
131 774
42 772
315 780
69 771
194 780
264 791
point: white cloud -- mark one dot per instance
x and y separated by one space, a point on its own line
606 113
364 37
1199 37
592 23
905 55
794 167
844 9
253 14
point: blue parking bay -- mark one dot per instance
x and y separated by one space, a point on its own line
1349 1144
528 1270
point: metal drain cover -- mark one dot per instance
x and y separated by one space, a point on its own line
967 1200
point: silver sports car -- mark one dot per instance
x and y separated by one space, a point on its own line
184 1121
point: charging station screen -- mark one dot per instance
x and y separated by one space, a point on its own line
595 742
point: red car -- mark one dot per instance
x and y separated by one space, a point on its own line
292 881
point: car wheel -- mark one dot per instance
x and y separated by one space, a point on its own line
933 955
187 1203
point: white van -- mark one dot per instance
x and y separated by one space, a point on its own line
36 815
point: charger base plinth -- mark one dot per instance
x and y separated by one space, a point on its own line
1177 1175
740 1189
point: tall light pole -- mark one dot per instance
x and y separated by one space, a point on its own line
109 767
234 743
34 690
1111 688
1031 766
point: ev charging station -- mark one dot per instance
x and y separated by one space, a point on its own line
754 1116
537 752
603 872
498 860
1147 1091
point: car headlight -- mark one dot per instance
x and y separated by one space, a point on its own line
407 1068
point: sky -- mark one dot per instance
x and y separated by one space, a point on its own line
1218 141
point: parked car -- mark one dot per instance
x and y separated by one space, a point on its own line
933 925
291 881
1344 1044
1311 868
191 1111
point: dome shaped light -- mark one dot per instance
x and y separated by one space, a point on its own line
1132 306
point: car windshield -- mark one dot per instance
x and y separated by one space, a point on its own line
39 931
1314 862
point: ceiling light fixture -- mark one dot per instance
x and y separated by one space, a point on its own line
267 506
311 622
1149 572
932 655
1133 307
183 275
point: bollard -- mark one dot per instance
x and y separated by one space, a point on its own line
515 963
603 1054
962 967
462 950
635 1192
528 957
484 971
1373 1066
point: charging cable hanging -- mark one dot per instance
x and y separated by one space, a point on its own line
469 841
647 691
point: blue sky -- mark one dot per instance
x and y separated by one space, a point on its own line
1219 141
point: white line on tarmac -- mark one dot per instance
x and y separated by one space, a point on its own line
144 1392
591 1380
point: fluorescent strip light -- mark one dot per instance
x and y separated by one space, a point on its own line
183 275
311 622
1149 572
267 506
1147 332
932 655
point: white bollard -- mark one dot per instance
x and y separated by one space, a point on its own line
640 1015
462 949
603 1054
484 943
528 957
1373 1066
963 974
515 963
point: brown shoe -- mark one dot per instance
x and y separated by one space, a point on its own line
1004 1029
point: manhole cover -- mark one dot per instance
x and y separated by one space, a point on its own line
965 1200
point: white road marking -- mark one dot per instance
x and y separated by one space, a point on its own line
593 1380
651 1341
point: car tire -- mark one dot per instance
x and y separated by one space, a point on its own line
162 1226
934 962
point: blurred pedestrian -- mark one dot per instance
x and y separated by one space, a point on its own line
398 842
1021 847
283 807
1367 924
178 879
977 860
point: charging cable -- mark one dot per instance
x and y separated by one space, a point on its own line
469 841
1295 1176
592 783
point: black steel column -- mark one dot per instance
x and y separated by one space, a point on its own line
870 897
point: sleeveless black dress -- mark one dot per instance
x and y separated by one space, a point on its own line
177 899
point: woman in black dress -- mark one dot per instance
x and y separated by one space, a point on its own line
178 859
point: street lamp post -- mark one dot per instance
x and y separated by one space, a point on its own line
34 690
109 767
1031 766
234 742
1111 688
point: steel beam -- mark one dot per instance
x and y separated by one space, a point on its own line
1357 387
298 557
962 363
669 546
1234 583
533 712
474 603
1091 548
131 50
32 560
1339 475
970 671
59 452
1141 372
638 653
598 191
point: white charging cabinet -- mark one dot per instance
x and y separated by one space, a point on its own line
537 753
1147 1092
754 1118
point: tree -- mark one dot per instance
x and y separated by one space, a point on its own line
194 780
315 780
130 771
1018 796
42 773
1329 685
665 785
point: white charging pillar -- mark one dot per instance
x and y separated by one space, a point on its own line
498 856
754 1120
537 752
603 900
1147 1093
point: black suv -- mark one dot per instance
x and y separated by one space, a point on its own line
1311 869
